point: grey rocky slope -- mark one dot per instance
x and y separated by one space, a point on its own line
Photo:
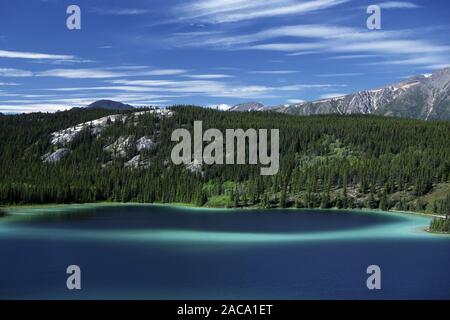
425 97
248 106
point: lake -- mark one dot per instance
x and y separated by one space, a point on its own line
163 252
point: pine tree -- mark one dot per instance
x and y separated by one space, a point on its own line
283 200
384 203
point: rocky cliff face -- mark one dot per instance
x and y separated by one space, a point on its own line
60 141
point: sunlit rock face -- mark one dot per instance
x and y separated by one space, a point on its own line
134 162
195 166
137 162
53 157
144 143
66 136
119 147
126 148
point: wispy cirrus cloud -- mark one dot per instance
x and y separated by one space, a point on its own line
344 42
97 73
34 55
353 56
398 5
119 11
208 76
432 62
12 72
210 88
295 37
339 75
274 72
222 11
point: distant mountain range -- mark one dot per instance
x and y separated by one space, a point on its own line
425 97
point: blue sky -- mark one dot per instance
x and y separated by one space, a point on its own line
211 52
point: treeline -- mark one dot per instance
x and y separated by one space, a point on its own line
326 161
440 225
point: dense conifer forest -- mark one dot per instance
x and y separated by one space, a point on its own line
325 161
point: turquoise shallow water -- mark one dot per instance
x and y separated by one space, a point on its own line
160 252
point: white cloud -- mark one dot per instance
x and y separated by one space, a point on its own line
274 72
34 55
332 95
295 101
338 75
202 87
211 88
10 72
161 72
417 60
220 11
208 76
347 42
398 5
325 32
78 73
391 46
307 37
353 56
94 73
297 87
286 47
119 12
32 107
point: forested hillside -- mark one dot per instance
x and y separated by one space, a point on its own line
326 161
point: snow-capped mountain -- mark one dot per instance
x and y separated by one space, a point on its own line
424 97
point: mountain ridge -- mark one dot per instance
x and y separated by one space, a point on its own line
109 105
247 107
425 97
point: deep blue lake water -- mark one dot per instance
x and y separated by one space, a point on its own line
160 252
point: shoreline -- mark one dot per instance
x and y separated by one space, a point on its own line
427 230
190 206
